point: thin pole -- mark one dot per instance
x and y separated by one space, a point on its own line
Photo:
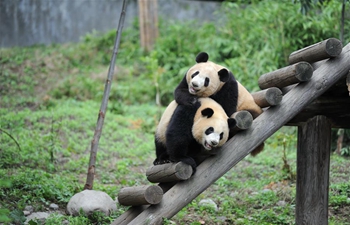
102 112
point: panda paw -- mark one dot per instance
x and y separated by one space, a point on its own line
160 162
194 101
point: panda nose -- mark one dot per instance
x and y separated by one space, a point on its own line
214 143
194 84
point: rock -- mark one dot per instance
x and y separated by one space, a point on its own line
208 203
90 201
26 213
53 206
29 208
38 216
281 203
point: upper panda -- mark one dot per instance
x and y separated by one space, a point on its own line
208 79
185 130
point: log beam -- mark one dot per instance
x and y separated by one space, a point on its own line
329 48
286 76
140 195
335 109
313 156
169 172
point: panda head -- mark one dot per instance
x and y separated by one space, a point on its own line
211 125
206 78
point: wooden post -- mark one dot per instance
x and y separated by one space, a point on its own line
329 48
148 19
313 154
141 195
285 76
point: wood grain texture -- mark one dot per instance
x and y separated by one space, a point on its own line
329 48
244 142
313 155
296 73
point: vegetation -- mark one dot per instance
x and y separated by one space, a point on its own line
50 96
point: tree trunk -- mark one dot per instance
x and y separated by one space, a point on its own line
148 19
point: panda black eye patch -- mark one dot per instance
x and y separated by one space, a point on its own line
195 74
209 131
206 83
221 135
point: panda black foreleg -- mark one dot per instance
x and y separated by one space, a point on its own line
178 152
162 156
182 95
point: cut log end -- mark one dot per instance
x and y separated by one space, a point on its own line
303 71
243 119
154 195
333 47
268 97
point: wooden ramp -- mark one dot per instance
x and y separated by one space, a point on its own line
238 147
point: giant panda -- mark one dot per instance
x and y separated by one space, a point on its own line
208 79
184 131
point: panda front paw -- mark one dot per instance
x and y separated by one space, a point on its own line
194 101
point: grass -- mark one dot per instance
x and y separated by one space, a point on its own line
50 98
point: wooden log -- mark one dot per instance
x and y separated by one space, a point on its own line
169 172
243 119
244 142
285 76
140 195
329 48
268 97
313 155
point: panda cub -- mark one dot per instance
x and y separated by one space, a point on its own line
208 79
184 130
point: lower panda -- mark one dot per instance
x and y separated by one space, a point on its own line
208 79
184 131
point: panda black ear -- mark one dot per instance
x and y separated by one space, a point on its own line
231 123
224 75
208 112
202 57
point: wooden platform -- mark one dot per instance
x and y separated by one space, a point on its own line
315 107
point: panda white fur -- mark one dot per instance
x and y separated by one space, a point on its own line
184 131
208 79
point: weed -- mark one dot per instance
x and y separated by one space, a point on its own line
50 96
